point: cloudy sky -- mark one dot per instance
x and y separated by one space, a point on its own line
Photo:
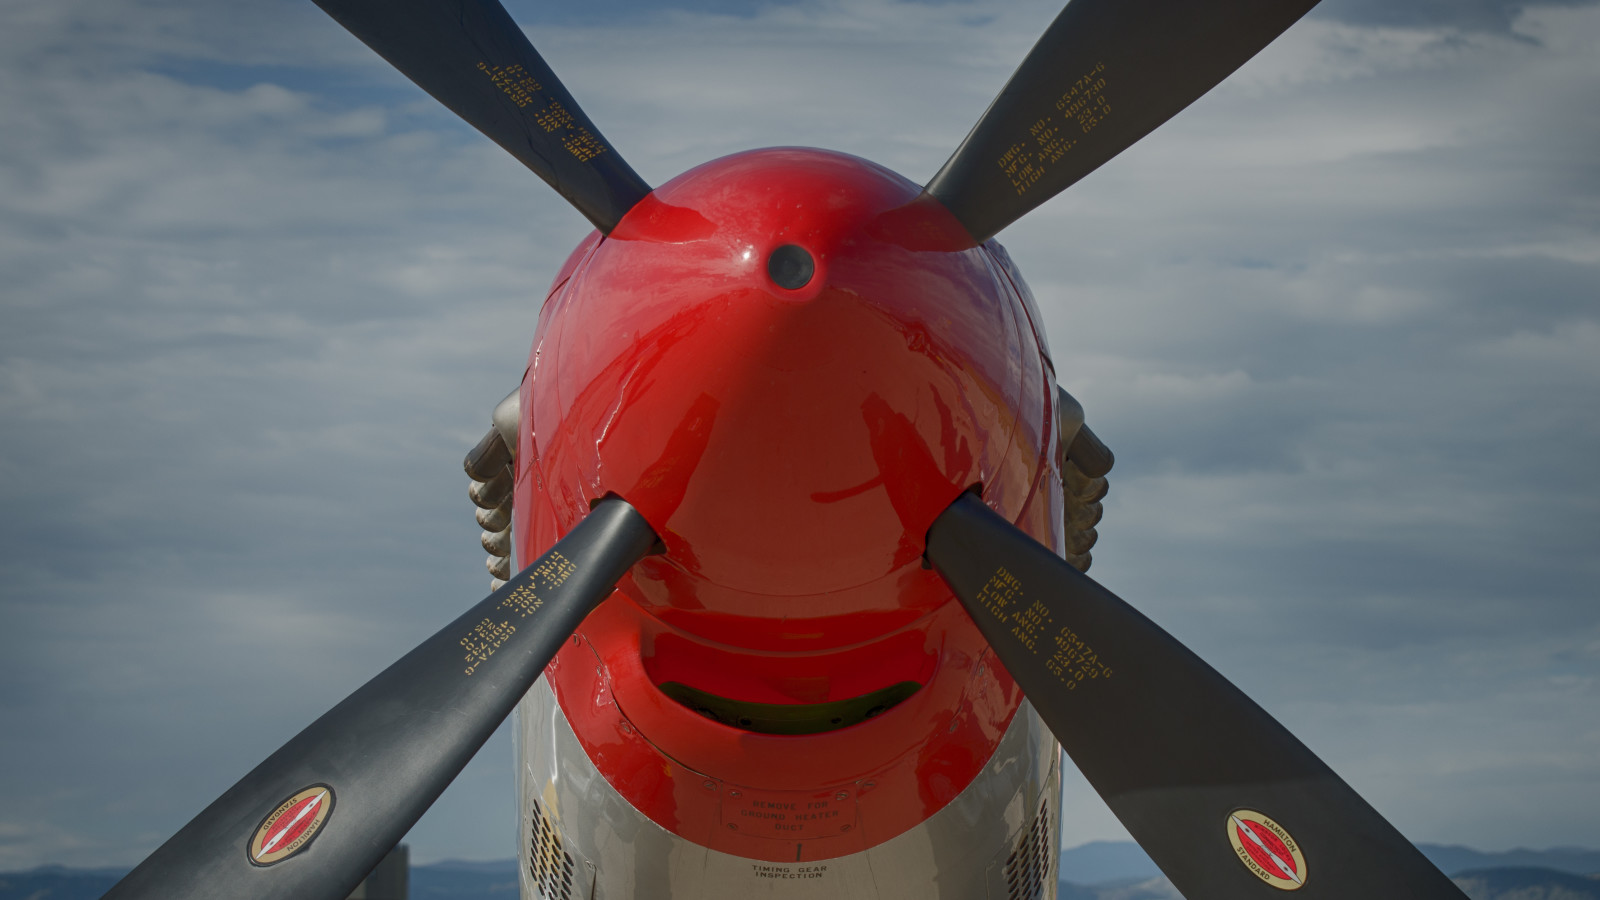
1340 321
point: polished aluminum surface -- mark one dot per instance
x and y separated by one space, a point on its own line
963 852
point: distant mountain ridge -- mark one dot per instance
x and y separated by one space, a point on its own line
1102 870
1527 883
455 879
446 880
1100 862
58 883
1121 870
1454 858
1482 884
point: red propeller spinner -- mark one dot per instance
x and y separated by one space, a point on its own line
790 361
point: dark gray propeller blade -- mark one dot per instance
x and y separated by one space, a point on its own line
474 59
318 814
1105 74
1191 766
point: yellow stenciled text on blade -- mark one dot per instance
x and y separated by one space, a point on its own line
485 638
554 116
1026 624
1073 661
1078 111
553 570
1070 658
523 600
1084 102
515 81
583 145
999 592
524 90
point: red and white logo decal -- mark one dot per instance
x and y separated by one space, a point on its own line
291 825
1267 850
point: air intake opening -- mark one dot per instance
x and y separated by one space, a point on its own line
790 718
549 864
1028 873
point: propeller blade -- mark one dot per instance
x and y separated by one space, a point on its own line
1104 75
474 59
315 817
1224 799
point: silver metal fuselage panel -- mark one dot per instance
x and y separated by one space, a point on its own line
997 840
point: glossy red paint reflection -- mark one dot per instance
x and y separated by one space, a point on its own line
791 448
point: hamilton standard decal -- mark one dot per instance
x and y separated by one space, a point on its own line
291 825
1267 850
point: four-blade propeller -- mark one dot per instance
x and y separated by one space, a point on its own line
1182 756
